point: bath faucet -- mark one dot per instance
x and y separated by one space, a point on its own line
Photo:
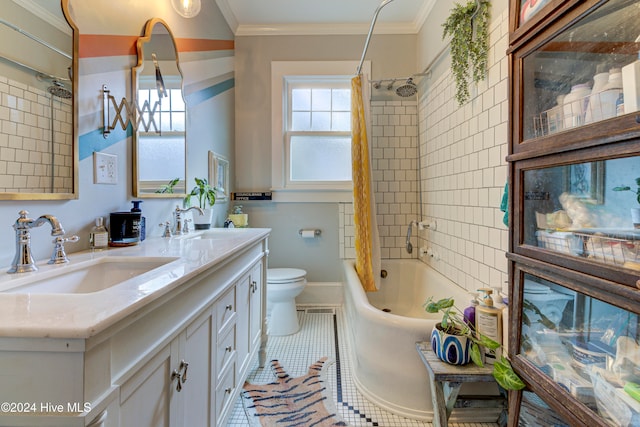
179 227
23 260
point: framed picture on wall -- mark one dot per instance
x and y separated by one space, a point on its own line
586 182
219 175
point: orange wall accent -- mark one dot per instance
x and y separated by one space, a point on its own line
195 45
97 45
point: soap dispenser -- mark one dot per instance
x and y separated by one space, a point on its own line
489 323
136 208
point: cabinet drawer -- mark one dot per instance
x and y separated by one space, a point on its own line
225 392
226 310
225 351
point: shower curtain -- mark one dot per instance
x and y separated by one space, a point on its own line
367 242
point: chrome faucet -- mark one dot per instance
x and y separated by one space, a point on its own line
179 227
23 260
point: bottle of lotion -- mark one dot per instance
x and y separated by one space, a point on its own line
489 323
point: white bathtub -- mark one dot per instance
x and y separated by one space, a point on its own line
387 369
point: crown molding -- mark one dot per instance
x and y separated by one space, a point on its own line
56 21
323 28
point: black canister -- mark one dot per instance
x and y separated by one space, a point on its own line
124 228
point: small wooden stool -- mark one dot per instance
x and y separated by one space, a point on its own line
446 380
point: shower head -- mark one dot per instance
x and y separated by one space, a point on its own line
57 89
408 89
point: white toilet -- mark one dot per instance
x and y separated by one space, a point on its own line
283 285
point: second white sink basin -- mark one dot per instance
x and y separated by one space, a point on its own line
86 277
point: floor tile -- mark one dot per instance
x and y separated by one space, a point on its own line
321 332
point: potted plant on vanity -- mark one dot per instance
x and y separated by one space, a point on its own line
635 212
457 342
206 196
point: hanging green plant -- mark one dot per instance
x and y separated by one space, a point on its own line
468 26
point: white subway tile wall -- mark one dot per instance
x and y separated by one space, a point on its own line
464 171
28 164
394 142
462 168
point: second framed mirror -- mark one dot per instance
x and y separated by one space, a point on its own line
159 153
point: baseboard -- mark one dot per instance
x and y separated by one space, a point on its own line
321 293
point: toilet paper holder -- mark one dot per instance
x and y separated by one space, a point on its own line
307 232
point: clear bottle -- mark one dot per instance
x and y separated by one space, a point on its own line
99 236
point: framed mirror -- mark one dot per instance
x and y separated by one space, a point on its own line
159 153
38 142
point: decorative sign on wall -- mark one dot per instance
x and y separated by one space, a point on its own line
251 195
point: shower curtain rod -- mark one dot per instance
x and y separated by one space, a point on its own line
38 72
36 38
425 73
438 57
373 24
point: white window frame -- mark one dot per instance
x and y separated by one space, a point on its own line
309 192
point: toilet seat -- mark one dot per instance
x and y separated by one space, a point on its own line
285 275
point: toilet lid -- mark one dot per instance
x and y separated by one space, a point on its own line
284 275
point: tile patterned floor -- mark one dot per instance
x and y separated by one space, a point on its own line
321 335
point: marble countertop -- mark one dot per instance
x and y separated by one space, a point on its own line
83 315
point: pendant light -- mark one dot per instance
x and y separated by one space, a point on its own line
186 8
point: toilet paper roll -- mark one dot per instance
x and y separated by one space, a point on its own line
308 234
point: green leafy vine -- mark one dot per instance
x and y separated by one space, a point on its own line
468 26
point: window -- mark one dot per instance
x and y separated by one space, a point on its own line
318 132
311 139
163 152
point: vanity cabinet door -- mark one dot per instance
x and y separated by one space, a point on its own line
249 291
147 398
256 312
198 381
243 290
175 387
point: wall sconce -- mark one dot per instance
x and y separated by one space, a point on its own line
186 8
127 113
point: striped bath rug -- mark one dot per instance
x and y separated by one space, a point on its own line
304 401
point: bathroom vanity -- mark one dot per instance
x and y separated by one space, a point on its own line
162 333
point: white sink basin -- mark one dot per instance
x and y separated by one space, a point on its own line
213 234
85 277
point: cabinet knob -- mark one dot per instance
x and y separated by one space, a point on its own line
228 349
229 307
227 390
254 287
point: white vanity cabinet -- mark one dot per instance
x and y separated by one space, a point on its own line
180 360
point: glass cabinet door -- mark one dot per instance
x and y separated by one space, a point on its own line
589 211
588 347
585 74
